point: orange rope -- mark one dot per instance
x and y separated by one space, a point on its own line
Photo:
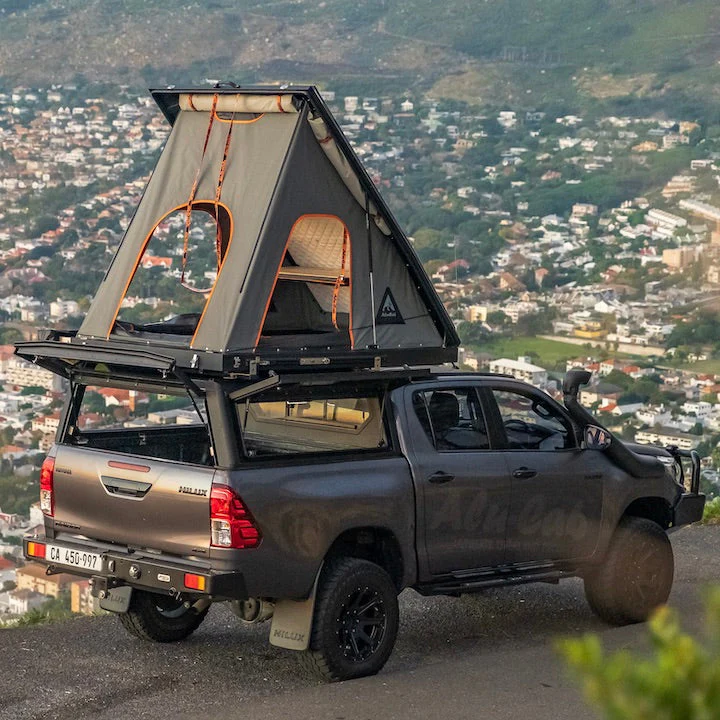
340 279
218 193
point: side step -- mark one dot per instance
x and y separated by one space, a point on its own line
490 580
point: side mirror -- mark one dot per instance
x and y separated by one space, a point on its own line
596 438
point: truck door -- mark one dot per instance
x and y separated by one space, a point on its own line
462 482
557 487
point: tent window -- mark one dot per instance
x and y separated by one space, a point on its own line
159 291
312 289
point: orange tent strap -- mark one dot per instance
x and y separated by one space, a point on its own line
339 280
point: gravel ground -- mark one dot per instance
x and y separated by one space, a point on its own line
91 668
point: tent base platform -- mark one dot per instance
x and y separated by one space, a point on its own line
69 356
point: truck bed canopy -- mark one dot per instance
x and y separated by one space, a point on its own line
301 253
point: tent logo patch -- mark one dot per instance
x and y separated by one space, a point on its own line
389 314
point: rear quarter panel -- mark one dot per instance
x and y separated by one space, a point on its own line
302 506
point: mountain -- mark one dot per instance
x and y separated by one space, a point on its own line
656 54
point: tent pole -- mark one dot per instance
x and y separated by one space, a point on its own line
370 259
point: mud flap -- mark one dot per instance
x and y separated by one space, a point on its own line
116 599
292 621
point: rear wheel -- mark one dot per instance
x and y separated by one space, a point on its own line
636 576
355 621
160 618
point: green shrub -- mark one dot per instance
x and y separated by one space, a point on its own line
679 680
711 516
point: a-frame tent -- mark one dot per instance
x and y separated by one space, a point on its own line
310 261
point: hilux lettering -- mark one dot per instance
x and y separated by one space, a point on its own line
287 635
192 491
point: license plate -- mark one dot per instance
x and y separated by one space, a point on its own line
73 558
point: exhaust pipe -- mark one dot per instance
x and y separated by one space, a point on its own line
253 610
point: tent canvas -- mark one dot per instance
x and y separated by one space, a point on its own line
301 253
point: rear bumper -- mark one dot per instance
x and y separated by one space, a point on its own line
689 509
143 571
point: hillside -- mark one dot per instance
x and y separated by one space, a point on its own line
664 53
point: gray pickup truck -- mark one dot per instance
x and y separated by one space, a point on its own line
315 498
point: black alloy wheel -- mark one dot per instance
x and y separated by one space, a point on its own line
355 621
362 623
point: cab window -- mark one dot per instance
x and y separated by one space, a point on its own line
532 424
452 419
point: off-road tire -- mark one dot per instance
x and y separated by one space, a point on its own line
636 575
355 622
159 618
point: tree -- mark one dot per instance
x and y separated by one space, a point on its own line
33 390
679 681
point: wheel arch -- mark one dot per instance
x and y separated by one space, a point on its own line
657 509
376 544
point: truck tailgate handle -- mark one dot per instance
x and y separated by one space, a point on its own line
128 488
524 473
440 477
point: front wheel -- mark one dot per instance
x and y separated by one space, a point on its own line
636 575
160 618
355 621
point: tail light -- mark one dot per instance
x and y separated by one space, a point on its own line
231 524
47 501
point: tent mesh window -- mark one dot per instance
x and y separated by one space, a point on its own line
176 272
312 292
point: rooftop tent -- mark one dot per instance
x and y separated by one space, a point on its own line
265 231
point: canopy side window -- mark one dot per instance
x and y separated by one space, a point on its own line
312 290
302 425
176 270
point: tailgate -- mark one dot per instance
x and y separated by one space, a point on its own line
140 502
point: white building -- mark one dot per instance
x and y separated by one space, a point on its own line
521 369
22 601
580 209
651 415
667 436
700 409
663 219
25 374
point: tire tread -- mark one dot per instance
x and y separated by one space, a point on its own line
143 621
337 571
604 586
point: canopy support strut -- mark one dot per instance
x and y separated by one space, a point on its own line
370 263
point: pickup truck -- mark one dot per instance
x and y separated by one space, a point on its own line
315 498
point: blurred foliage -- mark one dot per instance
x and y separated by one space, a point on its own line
711 516
679 680
52 610
703 330
17 494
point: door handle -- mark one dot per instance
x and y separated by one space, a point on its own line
524 473
440 477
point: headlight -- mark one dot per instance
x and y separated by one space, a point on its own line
673 467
